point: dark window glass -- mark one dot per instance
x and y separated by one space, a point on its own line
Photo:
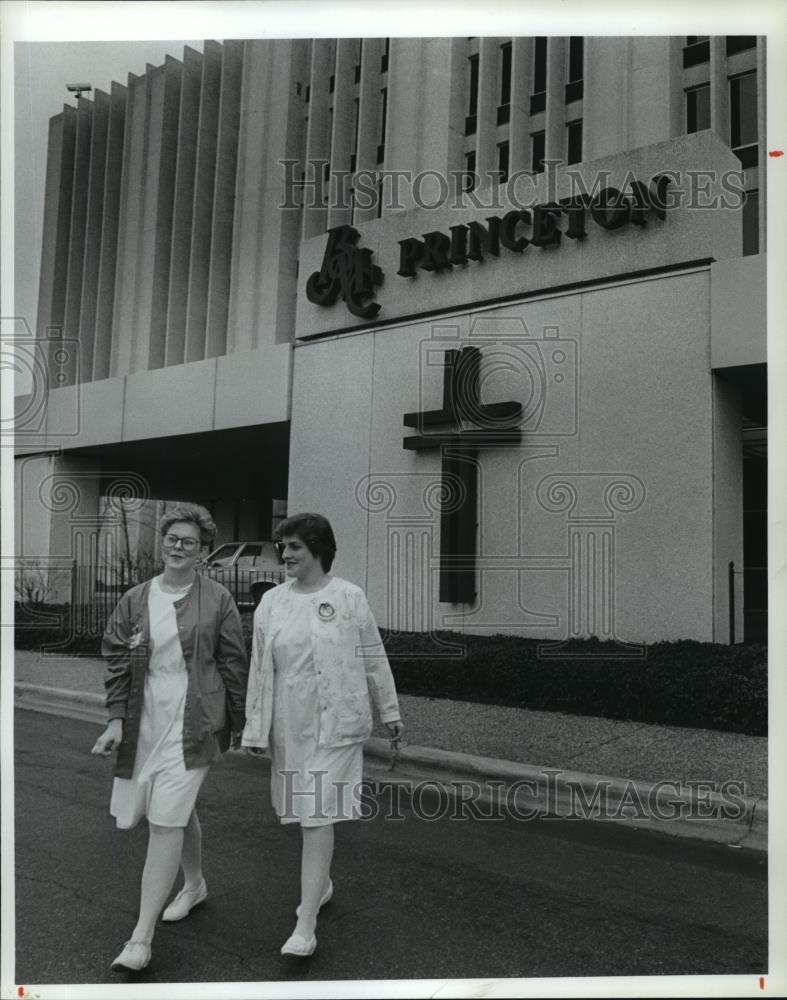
751 223
537 141
383 112
386 53
332 84
696 52
308 93
502 162
537 103
576 52
698 108
743 110
739 43
472 107
505 73
574 141
540 66
469 178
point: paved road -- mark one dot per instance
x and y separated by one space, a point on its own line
414 899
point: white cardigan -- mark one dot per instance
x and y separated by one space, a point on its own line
349 661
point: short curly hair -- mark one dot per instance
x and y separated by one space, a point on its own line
314 531
195 514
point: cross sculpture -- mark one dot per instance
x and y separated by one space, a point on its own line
491 425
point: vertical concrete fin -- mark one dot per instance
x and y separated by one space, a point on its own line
105 289
93 226
486 161
57 224
342 140
224 199
183 206
555 138
519 132
159 201
370 99
130 221
70 370
202 211
318 134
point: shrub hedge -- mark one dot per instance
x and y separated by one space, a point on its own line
685 683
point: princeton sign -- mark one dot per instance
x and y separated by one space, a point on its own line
347 270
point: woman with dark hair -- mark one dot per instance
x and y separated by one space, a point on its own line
317 660
176 689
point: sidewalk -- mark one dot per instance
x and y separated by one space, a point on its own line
451 741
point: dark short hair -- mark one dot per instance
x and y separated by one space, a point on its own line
193 513
314 531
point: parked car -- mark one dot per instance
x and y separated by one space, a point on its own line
246 569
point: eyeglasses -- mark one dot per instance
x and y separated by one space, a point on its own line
169 541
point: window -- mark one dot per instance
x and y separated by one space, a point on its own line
751 223
468 182
698 108
249 556
471 120
538 94
696 50
505 73
386 53
740 43
576 52
332 84
576 58
537 142
502 162
743 118
574 141
383 120
354 156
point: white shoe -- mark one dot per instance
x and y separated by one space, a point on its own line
185 901
326 898
134 957
299 946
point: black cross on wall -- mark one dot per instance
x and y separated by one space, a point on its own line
490 424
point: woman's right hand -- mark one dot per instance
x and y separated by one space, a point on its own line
110 739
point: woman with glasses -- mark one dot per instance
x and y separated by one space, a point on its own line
317 661
176 689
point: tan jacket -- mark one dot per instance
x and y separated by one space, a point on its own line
349 661
212 642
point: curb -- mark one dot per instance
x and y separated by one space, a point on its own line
526 791
483 787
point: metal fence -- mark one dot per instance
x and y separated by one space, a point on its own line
93 597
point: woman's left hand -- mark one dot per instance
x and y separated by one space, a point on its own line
395 729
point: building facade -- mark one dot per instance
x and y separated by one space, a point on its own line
496 306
